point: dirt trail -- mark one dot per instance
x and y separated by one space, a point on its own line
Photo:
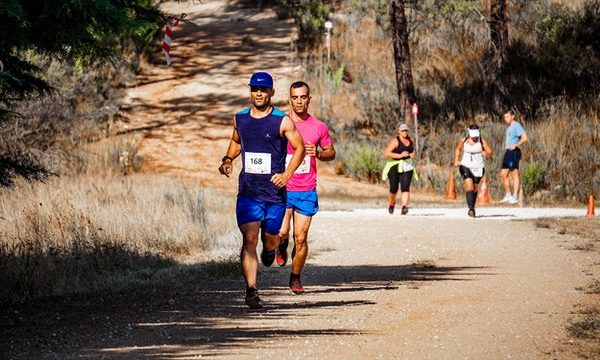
184 111
379 286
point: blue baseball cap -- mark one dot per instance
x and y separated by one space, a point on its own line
261 79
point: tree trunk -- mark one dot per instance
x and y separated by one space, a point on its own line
404 78
499 37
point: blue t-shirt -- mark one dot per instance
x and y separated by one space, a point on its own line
263 154
513 134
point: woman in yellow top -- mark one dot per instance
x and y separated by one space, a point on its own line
471 166
399 168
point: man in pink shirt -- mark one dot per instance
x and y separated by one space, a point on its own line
302 201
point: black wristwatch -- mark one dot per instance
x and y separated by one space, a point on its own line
226 158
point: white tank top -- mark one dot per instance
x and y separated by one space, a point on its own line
472 155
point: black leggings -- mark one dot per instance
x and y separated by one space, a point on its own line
402 179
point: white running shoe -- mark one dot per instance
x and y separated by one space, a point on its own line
513 199
506 198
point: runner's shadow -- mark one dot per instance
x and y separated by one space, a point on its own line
496 216
377 276
316 304
351 289
419 215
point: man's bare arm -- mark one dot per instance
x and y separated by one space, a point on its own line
288 129
327 154
233 150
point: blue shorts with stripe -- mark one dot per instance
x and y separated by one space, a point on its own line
303 202
249 210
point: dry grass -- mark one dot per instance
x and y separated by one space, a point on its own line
89 232
587 326
585 228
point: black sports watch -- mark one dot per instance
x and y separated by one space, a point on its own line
226 158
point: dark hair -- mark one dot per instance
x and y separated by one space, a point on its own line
299 84
509 112
474 127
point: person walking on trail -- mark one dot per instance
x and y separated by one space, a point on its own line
471 166
399 168
515 138
261 134
302 201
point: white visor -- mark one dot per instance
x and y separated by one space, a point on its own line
473 133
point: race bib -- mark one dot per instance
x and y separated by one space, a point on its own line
304 167
477 172
257 163
407 166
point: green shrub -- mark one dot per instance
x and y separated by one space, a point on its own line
336 76
533 177
364 162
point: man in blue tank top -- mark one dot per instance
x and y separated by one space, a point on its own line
261 134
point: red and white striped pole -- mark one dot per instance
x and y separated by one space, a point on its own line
168 38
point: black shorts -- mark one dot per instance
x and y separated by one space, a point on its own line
466 173
399 180
511 159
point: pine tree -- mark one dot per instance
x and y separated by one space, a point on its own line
81 31
78 31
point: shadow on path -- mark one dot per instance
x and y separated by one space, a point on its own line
205 316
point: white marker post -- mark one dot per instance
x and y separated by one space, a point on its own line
414 110
328 27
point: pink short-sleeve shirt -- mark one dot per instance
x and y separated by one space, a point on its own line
313 131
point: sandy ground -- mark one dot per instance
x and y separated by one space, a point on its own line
430 285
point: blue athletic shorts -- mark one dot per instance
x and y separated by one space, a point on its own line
303 202
249 210
511 159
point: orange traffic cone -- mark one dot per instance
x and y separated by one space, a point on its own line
591 209
451 190
483 196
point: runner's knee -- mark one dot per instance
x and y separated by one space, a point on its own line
249 241
300 239
284 233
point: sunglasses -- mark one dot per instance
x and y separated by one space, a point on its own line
261 88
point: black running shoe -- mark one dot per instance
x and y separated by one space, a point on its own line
391 209
471 213
281 256
404 210
252 298
267 257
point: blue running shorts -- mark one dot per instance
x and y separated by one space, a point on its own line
303 202
249 210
